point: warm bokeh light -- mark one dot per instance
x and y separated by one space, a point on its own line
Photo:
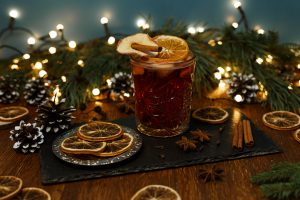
140 22
235 25
146 26
14 13
26 56
200 29
218 75
238 98
261 31
237 3
31 41
72 44
104 20
96 91
59 27
52 50
191 30
64 78
14 66
53 34
111 40
38 65
42 73
259 60
80 63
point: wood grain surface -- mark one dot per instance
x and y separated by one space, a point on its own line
236 183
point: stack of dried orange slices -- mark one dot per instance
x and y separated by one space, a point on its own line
11 114
102 139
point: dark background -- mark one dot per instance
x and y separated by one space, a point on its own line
81 18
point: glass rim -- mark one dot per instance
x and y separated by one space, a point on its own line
136 60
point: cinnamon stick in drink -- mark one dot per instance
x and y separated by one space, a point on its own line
248 137
146 48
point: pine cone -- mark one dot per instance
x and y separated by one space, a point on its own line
35 91
27 137
243 88
9 89
54 118
121 83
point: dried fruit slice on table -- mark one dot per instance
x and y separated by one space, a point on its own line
156 192
212 115
12 113
281 120
296 135
32 193
75 145
100 131
117 147
9 186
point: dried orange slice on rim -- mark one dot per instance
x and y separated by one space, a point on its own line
156 192
117 147
281 120
9 186
296 135
75 145
173 49
32 193
12 113
99 131
212 115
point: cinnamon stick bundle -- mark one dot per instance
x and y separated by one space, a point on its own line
248 137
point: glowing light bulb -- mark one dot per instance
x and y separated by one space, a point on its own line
80 63
238 98
191 30
140 22
38 65
52 50
221 70
200 29
222 84
146 26
220 42
96 91
60 27
259 60
16 60
53 34
64 79
237 4
235 25
298 66
14 13
45 61
26 56
218 75
42 73
109 82
111 40
104 20
261 31
14 66
72 44
31 41
56 95
228 68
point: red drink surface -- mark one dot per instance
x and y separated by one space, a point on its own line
163 95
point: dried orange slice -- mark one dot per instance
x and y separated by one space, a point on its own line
296 135
32 193
9 186
75 145
212 115
156 192
281 120
99 131
12 113
173 48
117 146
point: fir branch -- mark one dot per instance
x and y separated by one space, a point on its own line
281 191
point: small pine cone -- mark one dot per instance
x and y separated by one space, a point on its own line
9 89
35 91
27 137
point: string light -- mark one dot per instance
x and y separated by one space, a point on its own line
212 43
72 44
235 25
14 13
220 42
200 29
96 91
146 26
109 82
221 70
237 4
52 50
259 60
64 79
290 87
238 98
140 22
261 31
298 66
16 60
80 63
269 58
38 65
56 95
53 34
26 56
104 20
14 66
191 30
45 61
218 75
42 73
111 40
228 68
222 84
60 27
31 41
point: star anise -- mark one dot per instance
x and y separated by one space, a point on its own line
211 174
201 135
187 144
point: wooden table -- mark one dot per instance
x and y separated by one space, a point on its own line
235 185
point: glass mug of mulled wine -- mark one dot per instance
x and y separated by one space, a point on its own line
162 85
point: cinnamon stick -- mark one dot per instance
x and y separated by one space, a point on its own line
240 132
237 141
146 48
248 133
